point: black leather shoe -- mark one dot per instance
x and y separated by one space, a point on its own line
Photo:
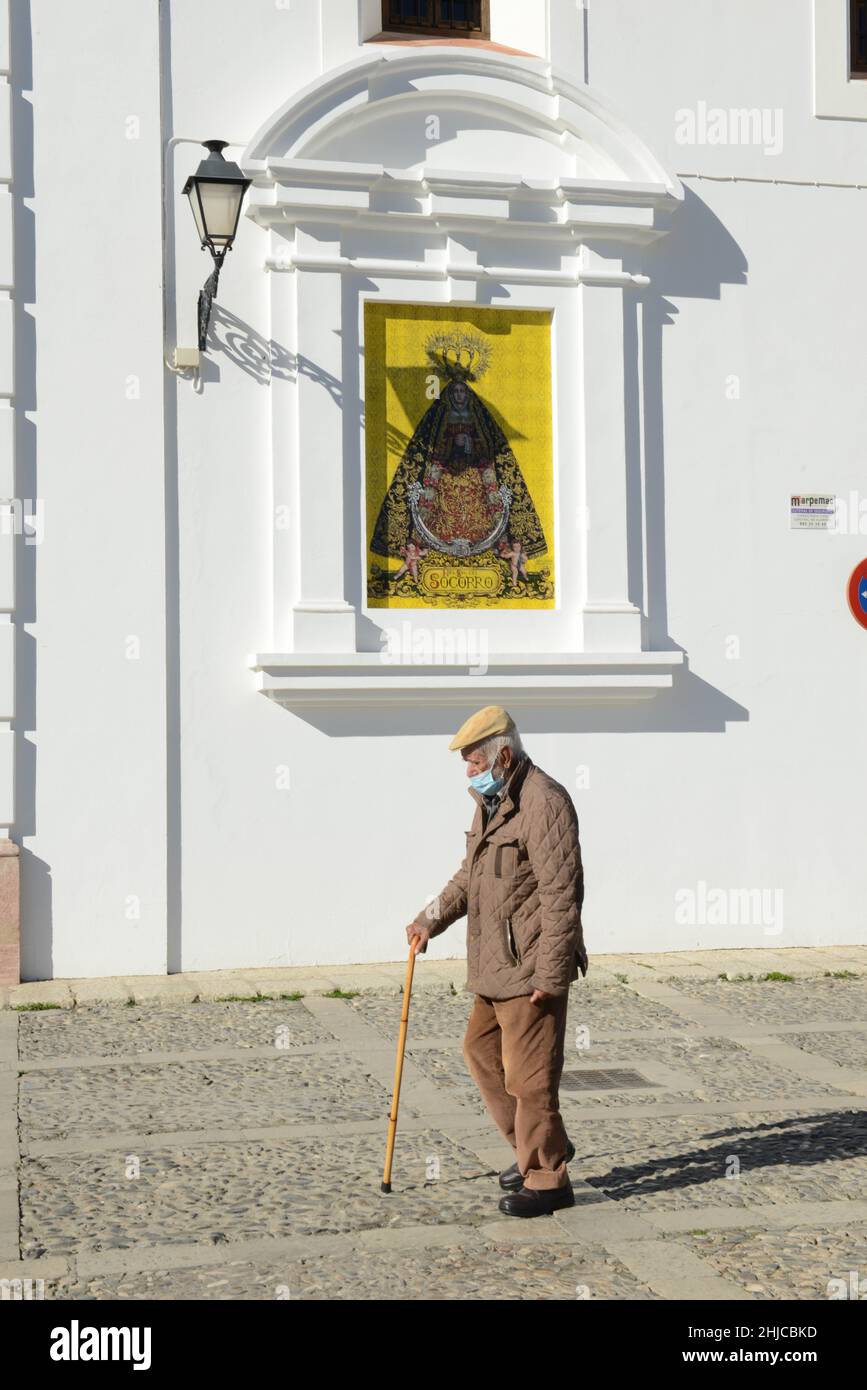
512 1180
531 1202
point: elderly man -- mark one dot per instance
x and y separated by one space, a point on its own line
521 887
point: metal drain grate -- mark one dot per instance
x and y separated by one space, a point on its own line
604 1081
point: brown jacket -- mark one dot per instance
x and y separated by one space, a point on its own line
521 888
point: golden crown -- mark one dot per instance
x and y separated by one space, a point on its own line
461 356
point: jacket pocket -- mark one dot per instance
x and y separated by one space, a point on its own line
507 855
511 945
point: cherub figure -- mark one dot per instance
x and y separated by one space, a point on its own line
411 553
517 557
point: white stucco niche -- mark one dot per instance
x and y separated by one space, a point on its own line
447 175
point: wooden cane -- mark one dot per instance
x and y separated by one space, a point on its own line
398 1071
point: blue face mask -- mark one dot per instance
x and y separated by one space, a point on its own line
487 783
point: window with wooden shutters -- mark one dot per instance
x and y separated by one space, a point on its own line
468 19
858 38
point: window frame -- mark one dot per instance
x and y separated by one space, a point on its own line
444 31
856 71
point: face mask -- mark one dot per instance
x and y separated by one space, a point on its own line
487 783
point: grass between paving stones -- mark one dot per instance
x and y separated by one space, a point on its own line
132 1002
247 998
729 978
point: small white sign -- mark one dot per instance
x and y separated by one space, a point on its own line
814 511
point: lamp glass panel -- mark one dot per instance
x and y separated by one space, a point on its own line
221 203
197 211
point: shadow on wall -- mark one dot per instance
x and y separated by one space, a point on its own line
694 261
692 706
256 356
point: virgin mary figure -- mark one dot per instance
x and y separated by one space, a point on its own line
458 489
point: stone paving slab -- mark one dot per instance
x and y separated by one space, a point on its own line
797 1001
802 1262
104 1030
99 1101
218 1194
680 1276
827 1215
716 1067
847 1049
448 1071
483 1270
439 1014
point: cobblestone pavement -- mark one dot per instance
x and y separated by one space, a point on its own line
182 1148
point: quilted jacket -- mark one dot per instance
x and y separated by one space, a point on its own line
521 888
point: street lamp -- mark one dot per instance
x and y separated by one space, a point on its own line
216 191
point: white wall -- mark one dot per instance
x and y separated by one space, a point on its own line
92 790
749 775
521 26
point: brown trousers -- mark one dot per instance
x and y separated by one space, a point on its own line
514 1051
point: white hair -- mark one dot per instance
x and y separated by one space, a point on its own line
492 746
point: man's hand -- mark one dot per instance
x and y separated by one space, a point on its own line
418 937
538 995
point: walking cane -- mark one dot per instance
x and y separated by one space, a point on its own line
398 1071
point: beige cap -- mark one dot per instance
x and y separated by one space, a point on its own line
487 722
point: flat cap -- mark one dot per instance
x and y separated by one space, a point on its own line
487 722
